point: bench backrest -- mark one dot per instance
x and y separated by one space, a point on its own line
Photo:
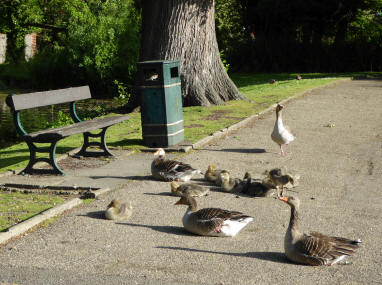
46 98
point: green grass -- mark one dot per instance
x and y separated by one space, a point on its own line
16 207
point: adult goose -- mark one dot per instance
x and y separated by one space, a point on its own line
171 170
212 221
281 135
313 248
191 189
118 210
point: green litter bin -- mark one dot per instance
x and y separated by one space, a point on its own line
161 103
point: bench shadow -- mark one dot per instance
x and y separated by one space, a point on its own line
180 231
277 257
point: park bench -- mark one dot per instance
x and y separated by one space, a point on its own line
51 136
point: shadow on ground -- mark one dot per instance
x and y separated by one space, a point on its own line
269 256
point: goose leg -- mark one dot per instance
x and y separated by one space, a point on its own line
281 150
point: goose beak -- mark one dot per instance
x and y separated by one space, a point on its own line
179 202
285 199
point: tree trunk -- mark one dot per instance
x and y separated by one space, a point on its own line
185 30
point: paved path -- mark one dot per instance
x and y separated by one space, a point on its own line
340 193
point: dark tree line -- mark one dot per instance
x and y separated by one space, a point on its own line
309 36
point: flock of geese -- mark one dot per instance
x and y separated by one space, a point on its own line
311 249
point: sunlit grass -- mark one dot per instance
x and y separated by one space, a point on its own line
16 207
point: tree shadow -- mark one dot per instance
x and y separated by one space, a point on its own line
277 257
135 177
180 231
167 194
126 142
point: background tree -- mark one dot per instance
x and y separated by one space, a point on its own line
185 30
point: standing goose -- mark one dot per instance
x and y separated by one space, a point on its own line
212 221
313 248
118 210
171 170
280 134
191 189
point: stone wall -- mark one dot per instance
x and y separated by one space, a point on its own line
3 47
30 46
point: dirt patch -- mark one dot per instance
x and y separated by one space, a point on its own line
218 114
83 162
193 126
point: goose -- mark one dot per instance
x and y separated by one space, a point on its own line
118 210
314 248
277 179
212 174
191 189
212 221
255 187
229 184
171 170
280 134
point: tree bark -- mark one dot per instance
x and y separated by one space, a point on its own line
185 30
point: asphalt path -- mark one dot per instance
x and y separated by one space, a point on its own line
337 153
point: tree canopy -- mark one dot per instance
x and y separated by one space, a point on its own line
97 42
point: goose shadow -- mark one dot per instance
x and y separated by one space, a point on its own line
180 231
277 257
100 215
239 150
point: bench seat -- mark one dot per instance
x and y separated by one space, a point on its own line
46 136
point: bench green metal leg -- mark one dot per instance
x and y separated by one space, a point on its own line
33 150
101 144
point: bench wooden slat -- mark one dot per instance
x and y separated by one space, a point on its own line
77 128
46 98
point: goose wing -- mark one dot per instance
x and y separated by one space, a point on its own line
321 249
212 219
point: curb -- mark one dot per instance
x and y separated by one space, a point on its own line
26 225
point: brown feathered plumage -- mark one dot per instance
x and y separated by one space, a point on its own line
212 221
171 170
314 248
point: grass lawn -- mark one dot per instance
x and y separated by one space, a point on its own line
16 207
198 122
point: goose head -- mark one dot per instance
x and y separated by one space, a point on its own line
294 202
174 187
279 108
211 168
115 203
224 176
159 152
275 172
188 201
